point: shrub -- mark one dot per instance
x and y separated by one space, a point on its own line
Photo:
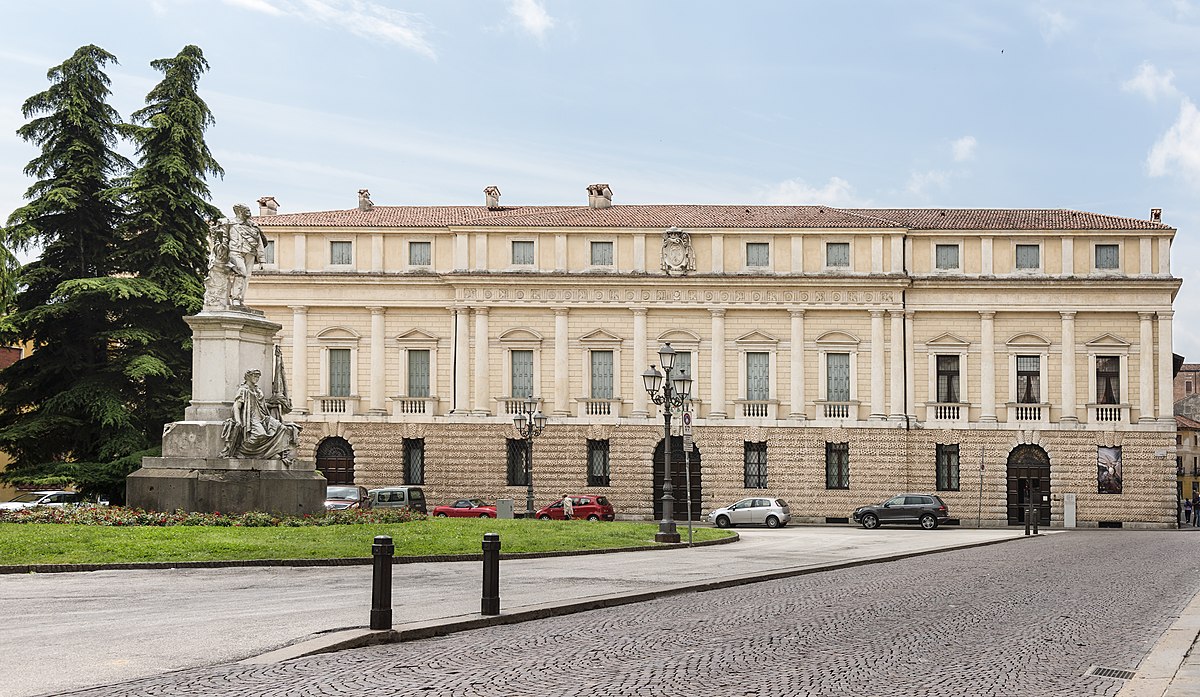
119 516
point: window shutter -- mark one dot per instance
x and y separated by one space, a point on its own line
837 376
522 373
602 374
758 378
418 373
339 372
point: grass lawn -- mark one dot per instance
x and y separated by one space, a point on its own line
36 543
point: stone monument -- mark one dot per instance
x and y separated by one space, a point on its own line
233 452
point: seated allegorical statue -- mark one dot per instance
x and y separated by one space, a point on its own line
253 431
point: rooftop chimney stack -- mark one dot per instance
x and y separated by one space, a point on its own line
267 205
1156 215
599 196
364 200
492 193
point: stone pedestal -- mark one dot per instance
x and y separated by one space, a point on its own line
191 475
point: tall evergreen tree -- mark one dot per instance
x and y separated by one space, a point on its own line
166 234
65 409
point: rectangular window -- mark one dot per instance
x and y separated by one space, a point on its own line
602 254
837 465
837 254
758 254
1029 379
947 379
268 254
339 372
602 374
414 460
1029 256
755 458
418 373
597 462
947 467
341 253
517 475
683 365
946 256
522 373
1108 379
522 253
837 377
758 376
1108 256
1187 387
420 253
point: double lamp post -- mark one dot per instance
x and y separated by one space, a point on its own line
670 392
529 424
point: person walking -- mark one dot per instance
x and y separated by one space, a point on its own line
568 507
1196 510
1187 511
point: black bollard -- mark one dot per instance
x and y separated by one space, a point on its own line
1028 507
1037 513
381 583
490 603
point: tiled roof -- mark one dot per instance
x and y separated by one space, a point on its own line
1185 422
702 216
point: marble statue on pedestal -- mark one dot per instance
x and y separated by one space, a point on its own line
256 429
234 247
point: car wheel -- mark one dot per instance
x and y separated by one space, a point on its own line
484 515
594 517
772 521
928 521
723 522
870 521
439 515
544 516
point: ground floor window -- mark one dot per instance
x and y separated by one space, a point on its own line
755 467
947 467
837 465
414 460
597 462
517 475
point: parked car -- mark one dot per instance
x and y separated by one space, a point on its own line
925 509
583 507
465 508
758 510
30 499
340 498
412 497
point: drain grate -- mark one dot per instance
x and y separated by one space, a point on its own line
1102 672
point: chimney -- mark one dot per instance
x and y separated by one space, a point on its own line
599 196
1156 215
492 194
364 200
267 205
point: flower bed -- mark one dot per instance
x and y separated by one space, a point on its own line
118 516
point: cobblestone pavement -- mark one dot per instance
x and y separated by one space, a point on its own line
1025 618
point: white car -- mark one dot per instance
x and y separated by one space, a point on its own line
759 510
30 499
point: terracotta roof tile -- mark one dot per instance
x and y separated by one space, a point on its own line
1185 422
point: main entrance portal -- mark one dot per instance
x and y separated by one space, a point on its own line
335 459
1028 475
678 480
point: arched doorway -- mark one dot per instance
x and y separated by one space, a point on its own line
335 459
1028 470
678 480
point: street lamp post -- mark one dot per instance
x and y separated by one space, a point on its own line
529 424
668 392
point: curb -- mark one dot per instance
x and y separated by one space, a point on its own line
345 561
359 637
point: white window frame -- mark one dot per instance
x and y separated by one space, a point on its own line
769 267
339 338
329 259
836 342
849 253
523 238
949 345
272 263
1041 256
684 341
1029 345
521 339
1119 268
600 340
933 256
408 252
602 267
1108 345
758 342
417 340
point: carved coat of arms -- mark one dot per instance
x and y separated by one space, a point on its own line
677 253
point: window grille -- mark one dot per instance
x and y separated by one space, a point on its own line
837 465
517 450
597 462
947 467
755 468
414 460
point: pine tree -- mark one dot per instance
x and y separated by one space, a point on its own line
165 232
65 409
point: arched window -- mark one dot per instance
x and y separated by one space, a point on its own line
335 459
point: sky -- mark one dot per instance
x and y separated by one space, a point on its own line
1086 105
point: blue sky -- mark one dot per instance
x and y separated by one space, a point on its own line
1083 105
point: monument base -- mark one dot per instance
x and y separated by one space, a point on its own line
226 486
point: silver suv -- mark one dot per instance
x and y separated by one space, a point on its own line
925 509
759 510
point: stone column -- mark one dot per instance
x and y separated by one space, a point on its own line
462 376
987 367
378 361
1146 368
910 379
877 367
1068 368
481 362
1166 368
896 366
717 411
299 382
640 399
799 402
561 364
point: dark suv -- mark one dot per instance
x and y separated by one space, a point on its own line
926 509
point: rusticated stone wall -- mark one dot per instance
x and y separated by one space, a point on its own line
468 459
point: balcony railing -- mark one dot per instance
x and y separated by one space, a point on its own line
837 410
1108 413
1028 412
757 410
403 406
599 407
946 411
336 405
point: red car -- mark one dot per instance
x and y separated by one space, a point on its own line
465 508
583 506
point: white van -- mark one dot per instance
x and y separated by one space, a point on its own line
398 497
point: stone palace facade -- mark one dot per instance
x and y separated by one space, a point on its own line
838 355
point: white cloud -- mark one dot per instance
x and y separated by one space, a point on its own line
532 16
920 182
255 6
1151 84
964 148
1053 24
1178 150
795 192
366 19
